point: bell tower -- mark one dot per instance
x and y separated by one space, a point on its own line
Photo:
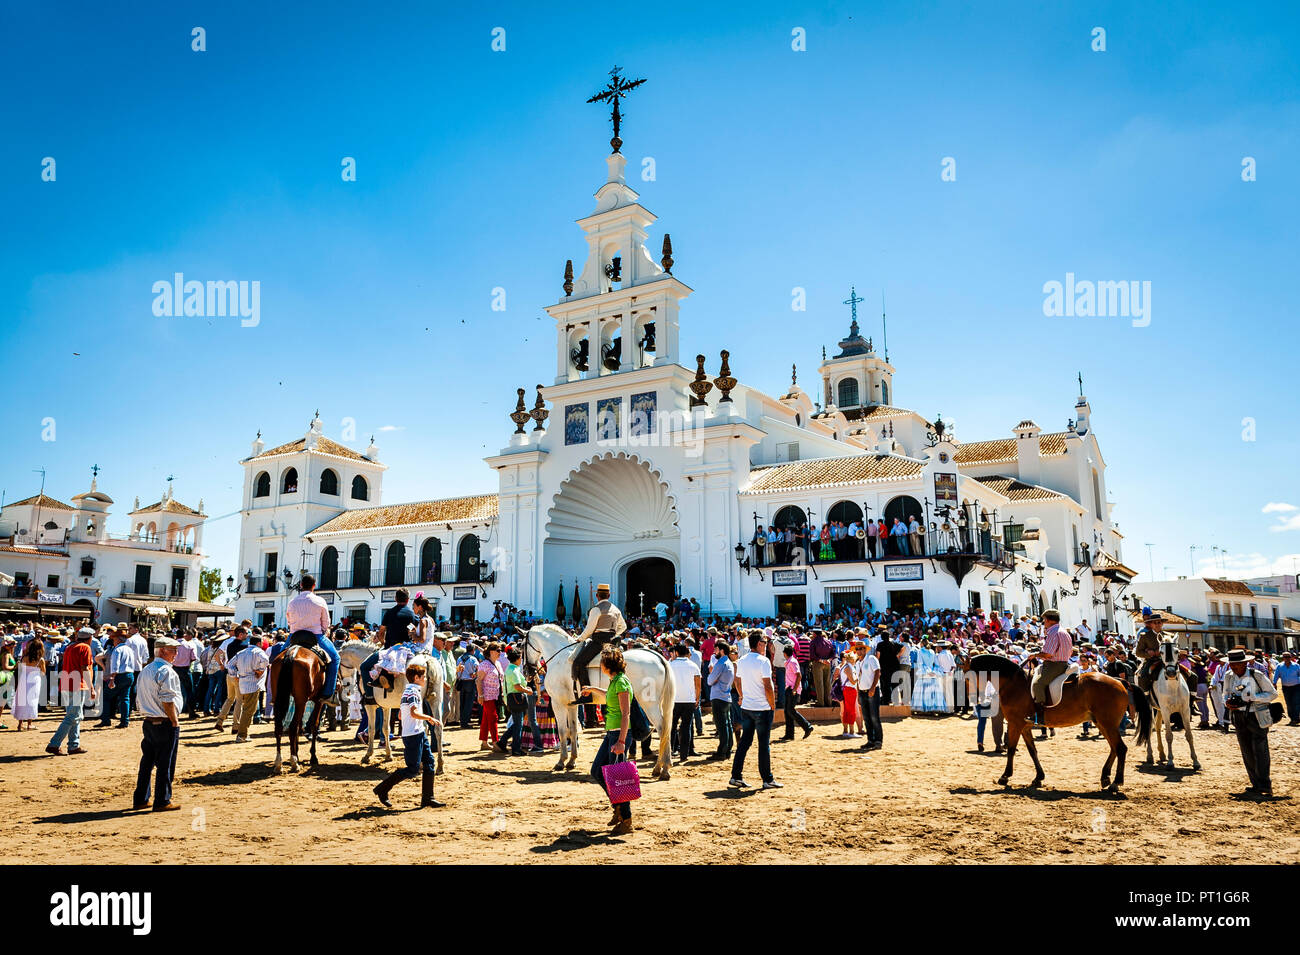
619 313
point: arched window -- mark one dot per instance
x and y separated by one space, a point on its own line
431 561
262 485
848 393
51 526
329 569
395 564
884 392
329 482
904 508
361 566
289 482
846 512
467 563
360 489
789 516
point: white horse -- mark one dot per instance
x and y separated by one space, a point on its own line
1171 696
648 672
352 655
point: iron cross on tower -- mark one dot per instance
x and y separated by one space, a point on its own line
852 301
618 88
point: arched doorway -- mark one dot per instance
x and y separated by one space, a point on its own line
395 565
329 569
431 561
646 582
467 568
904 508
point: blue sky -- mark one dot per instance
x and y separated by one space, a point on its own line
775 169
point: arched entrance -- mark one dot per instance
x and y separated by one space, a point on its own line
613 520
647 582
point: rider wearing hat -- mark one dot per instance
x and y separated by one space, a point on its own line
1147 651
605 624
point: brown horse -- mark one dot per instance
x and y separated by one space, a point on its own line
1092 697
297 674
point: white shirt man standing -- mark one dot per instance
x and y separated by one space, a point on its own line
249 668
686 682
757 700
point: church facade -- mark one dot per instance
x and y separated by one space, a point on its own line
655 470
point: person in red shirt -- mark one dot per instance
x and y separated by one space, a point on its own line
74 681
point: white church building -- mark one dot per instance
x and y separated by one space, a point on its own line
639 467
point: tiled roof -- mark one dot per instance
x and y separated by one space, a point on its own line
323 445
1015 490
169 507
1001 450
42 500
876 411
818 472
1170 617
1105 562
30 551
1228 587
476 507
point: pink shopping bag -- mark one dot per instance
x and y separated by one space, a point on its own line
622 780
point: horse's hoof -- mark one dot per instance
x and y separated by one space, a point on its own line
558 766
658 771
664 775
365 760
1147 762
1003 780
1035 784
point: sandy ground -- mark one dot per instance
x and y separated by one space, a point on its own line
927 798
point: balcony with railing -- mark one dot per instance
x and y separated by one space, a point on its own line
937 543
131 588
1238 621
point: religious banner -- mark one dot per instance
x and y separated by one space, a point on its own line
945 489
790 578
575 424
641 414
895 572
608 411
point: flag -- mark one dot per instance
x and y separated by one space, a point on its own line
559 604
577 604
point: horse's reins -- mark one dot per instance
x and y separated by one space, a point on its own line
528 645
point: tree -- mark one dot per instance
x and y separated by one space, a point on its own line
210 585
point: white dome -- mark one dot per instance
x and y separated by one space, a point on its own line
612 498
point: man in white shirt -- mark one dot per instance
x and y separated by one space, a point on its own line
141 647
248 667
119 673
869 697
160 703
757 698
686 680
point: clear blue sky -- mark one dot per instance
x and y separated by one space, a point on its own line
775 169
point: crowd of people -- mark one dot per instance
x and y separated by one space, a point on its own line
739 672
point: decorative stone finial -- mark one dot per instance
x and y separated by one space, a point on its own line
701 386
724 381
794 375
520 415
666 259
540 414
568 277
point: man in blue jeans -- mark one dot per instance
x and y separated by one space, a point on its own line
721 676
757 698
308 618
119 674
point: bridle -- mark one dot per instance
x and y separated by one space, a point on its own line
529 667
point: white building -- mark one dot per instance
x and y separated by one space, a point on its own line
645 473
63 562
1217 612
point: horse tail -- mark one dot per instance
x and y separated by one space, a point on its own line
667 694
1143 707
283 686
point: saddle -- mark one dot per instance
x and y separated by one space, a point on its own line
306 639
1056 689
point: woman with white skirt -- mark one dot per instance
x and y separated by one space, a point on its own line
27 696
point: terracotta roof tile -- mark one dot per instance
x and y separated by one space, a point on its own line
876 411
43 500
31 551
476 507
818 472
1228 587
323 445
169 507
1016 490
1002 450
1170 617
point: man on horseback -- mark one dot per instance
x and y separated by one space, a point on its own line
1054 660
308 618
605 624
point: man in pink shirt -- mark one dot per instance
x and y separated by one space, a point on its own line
1054 657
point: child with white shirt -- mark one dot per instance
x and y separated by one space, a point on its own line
415 742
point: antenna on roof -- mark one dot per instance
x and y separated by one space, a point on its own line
884 326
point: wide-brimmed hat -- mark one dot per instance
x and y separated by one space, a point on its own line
1153 616
1239 655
